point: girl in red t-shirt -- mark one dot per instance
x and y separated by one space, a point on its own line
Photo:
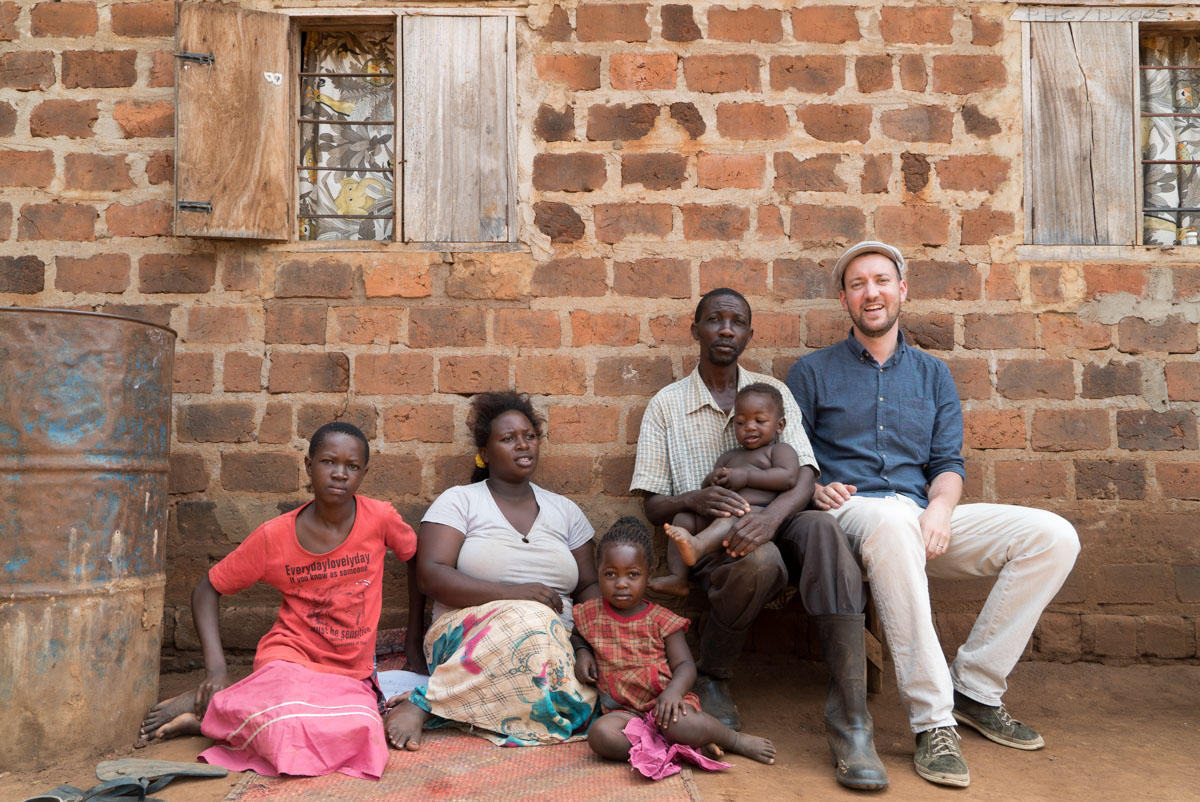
313 681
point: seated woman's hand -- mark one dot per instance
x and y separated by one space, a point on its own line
211 684
585 666
536 591
668 708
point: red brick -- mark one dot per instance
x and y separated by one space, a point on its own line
75 222
63 19
1058 636
1183 381
565 474
933 332
570 278
751 121
1111 380
1001 284
397 275
260 472
720 222
769 224
833 25
393 374
9 12
1045 283
819 75
689 119
8 119
1146 430
1062 332
1110 635
986 31
980 226
972 378
749 276
432 327
217 324
551 375
393 475
295 323
367 325
552 125
241 271
913 225
618 221
466 375
678 24
979 124
323 372
993 428
24 275
428 423
1175 335
90 171
534 328
568 172
918 124
147 219
27 70
642 71
615 474
1070 430
776 329
1136 583
653 278
176 272
877 172
151 313
162 69
1112 279
800 279
873 73
603 328
490 276
754 24
106 272
671 330
593 423
156 18
1178 479
70 118
956 281
243 372
26 168
1110 479
558 221
831 123
1030 478
725 171
160 167
1167 636
913 75
621 122
962 75
97 69
905 24
973 173
1035 378
226 422
326 277
187 474
193 373
654 170
612 22
557 27
150 119
580 73
819 224
914 169
632 375
1187 282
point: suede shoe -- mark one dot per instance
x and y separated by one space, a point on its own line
938 758
717 701
995 724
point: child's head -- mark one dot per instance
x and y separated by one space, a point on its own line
758 415
338 427
336 462
625 558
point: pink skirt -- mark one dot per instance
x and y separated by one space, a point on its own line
287 719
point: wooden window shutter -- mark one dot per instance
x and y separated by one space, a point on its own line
232 123
458 173
1080 149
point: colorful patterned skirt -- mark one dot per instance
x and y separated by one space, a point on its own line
507 669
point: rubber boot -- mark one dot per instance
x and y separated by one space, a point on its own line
848 725
719 648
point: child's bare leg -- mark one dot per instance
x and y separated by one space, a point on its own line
155 725
403 724
698 728
607 738
706 541
675 582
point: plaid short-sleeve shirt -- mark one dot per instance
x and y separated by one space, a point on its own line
684 431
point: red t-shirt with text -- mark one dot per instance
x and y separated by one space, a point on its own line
331 602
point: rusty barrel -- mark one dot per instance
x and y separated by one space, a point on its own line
85 412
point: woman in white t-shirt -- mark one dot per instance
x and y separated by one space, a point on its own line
503 561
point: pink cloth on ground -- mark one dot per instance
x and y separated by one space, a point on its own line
652 755
287 719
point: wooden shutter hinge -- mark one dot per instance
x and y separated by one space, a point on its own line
203 207
196 58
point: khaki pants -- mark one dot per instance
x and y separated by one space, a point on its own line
1029 551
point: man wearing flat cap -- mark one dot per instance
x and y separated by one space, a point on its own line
885 423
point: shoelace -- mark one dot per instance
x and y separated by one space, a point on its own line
1005 718
943 742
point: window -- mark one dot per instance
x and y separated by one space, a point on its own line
1170 148
288 125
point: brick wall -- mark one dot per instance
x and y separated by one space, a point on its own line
664 149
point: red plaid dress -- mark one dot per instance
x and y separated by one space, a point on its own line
631 653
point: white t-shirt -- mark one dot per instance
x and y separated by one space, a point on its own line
494 551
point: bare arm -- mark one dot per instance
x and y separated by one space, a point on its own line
710 502
206 616
670 705
415 634
588 586
944 492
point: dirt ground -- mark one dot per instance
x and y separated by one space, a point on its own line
1112 733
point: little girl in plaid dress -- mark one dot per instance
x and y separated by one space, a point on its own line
635 652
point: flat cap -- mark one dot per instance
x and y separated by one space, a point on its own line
866 246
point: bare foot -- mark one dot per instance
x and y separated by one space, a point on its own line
183 724
670 585
685 541
760 749
403 723
166 711
713 751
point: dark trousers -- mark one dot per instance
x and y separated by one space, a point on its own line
810 549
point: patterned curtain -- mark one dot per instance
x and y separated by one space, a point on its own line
360 192
1172 138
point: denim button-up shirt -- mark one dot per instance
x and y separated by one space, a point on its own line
886 429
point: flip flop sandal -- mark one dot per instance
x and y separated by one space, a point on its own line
118 789
63 793
155 773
